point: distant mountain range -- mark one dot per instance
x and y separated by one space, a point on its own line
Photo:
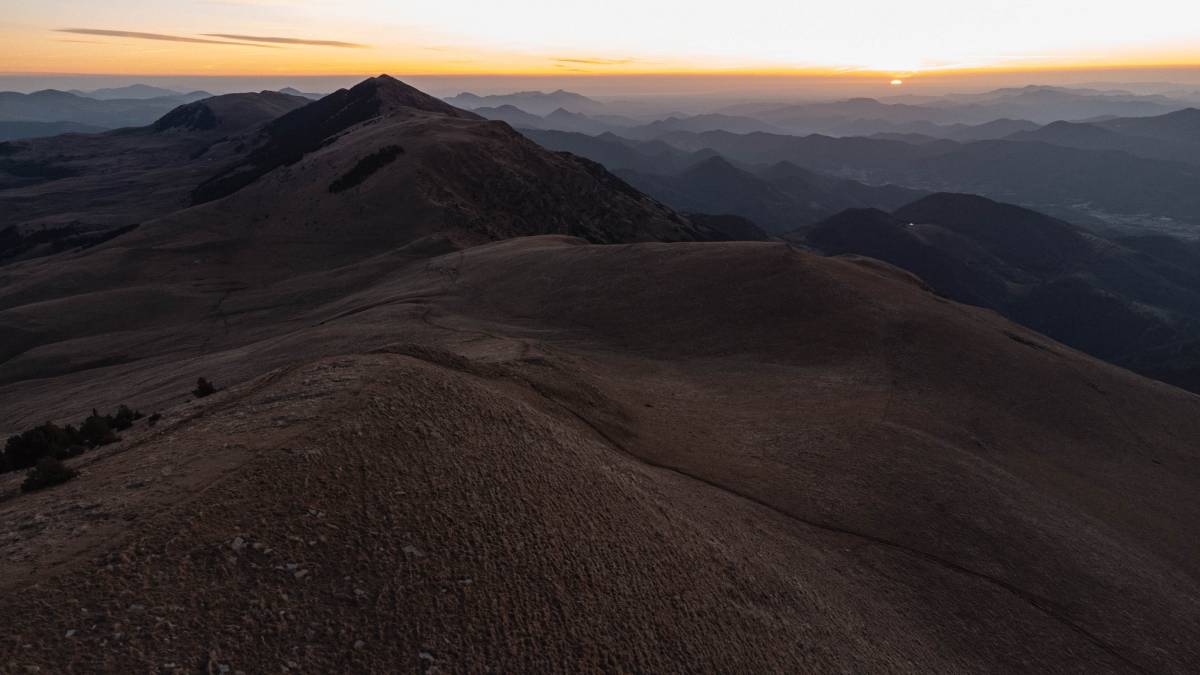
138 91
292 91
1093 186
536 102
778 198
1041 105
1065 168
59 106
49 112
1174 136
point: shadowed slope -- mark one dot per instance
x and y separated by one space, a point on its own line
1136 308
854 474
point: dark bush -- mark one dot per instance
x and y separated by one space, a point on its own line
49 440
25 449
124 418
154 419
48 472
96 430
69 452
203 388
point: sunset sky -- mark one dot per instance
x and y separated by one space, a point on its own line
328 37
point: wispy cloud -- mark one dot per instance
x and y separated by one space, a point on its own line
156 36
288 41
595 62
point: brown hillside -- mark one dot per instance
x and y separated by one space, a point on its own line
543 455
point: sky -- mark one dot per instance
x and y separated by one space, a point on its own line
877 39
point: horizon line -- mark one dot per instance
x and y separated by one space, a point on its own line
822 72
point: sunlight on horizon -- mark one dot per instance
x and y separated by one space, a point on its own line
575 37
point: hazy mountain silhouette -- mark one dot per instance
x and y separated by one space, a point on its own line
59 106
617 153
138 91
700 123
988 131
514 116
536 102
1092 185
1174 137
1182 126
296 92
779 198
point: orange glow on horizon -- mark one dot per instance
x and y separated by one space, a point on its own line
569 38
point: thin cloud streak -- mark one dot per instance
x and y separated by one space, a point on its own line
596 62
156 36
289 41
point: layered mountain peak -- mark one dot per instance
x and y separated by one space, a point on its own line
392 165
716 166
391 96
290 137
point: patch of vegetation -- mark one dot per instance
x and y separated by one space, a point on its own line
50 441
30 168
365 167
124 417
199 152
204 388
15 243
154 419
25 449
48 473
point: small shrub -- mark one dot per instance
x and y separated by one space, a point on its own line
48 473
96 430
203 388
153 419
124 418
